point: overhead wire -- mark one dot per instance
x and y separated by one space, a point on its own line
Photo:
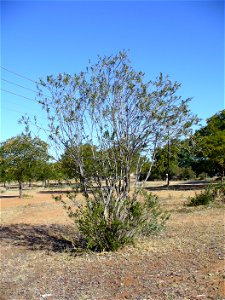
22 96
10 92
19 95
22 76
16 84
19 85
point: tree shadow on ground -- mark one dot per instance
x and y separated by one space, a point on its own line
70 191
56 238
55 192
189 186
6 197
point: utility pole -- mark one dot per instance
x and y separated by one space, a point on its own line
168 161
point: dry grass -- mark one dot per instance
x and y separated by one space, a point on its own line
184 262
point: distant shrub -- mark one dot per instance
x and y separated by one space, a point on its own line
211 193
187 173
218 192
27 196
204 198
126 219
202 176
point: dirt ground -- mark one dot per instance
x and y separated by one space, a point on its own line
186 261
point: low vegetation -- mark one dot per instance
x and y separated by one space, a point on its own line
212 193
185 261
125 220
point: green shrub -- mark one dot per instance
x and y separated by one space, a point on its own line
154 218
108 228
204 198
202 176
211 193
109 234
218 192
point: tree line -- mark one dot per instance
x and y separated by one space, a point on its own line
203 154
27 159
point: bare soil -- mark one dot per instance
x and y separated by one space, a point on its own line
186 261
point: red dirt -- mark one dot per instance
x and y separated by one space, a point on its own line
185 262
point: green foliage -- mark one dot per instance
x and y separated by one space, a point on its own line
218 192
202 176
177 170
111 234
154 217
22 157
210 194
204 198
211 144
125 220
108 121
70 166
111 106
204 152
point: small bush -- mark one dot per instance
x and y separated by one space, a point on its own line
210 194
27 196
204 198
218 192
108 228
154 218
202 176
109 234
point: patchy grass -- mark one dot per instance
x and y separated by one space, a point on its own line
185 262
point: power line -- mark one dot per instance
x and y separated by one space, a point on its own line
22 76
21 112
11 82
19 95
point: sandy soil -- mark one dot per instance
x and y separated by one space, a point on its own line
185 262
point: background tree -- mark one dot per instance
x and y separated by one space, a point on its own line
4 175
166 161
123 118
180 166
21 157
69 163
210 140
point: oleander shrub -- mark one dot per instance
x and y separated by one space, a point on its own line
154 217
124 220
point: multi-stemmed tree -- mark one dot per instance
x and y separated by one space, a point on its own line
122 118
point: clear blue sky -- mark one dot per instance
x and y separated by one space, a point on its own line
184 39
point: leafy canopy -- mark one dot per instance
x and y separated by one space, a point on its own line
211 141
23 156
122 118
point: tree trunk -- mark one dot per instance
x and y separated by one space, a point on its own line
168 166
83 186
222 176
20 189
